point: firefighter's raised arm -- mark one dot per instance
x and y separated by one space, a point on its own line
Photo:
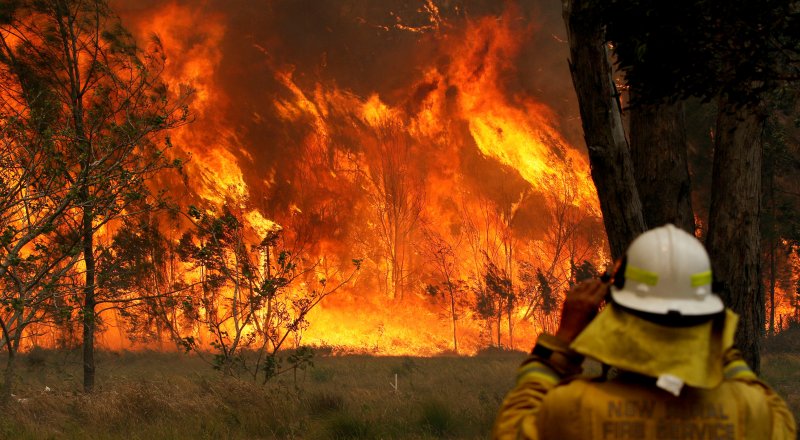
550 361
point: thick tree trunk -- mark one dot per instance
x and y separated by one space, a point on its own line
733 227
609 154
660 165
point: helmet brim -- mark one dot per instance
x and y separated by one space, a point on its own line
701 305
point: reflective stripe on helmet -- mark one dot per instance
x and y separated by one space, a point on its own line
701 279
641 275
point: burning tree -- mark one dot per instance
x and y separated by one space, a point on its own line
496 298
362 160
396 192
542 300
38 243
779 221
142 280
99 106
441 255
491 242
252 296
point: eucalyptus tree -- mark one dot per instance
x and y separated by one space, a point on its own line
735 54
254 291
102 109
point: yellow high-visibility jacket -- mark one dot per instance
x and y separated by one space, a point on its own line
630 406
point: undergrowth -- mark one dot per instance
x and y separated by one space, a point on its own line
175 396
151 395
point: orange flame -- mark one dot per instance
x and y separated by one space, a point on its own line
456 151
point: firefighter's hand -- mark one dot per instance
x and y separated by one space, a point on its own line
580 307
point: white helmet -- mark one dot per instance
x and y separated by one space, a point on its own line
666 271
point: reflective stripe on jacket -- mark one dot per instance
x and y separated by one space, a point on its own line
632 407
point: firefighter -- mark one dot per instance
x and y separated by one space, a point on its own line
669 339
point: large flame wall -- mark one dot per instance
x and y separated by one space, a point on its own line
326 114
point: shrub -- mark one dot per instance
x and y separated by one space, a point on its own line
321 375
325 402
436 418
347 426
786 341
36 357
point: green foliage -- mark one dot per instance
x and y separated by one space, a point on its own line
250 293
547 298
188 343
89 108
271 367
302 358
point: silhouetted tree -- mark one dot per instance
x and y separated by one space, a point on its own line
733 53
250 294
104 106
442 257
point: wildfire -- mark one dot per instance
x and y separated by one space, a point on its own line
192 58
452 152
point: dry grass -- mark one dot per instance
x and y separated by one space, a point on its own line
782 372
175 396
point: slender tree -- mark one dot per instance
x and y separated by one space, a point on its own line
441 256
250 294
396 191
106 107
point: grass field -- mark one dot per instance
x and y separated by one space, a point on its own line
175 396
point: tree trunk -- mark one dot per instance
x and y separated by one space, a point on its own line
89 301
660 165
733 227
609 155
8 375
772 238
499 321
510 313
453 315
772 246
